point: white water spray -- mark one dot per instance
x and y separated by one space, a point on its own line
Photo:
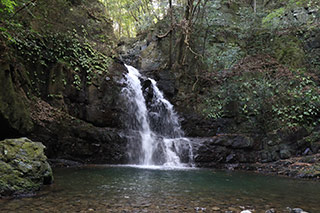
161 138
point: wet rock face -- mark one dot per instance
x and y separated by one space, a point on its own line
224 149
23 167
97 103
67 137
166 82
78 125
275 150
14 113
103 105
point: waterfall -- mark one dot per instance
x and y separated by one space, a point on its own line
157 138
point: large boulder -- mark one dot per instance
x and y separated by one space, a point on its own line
23 167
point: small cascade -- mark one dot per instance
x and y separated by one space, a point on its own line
157 138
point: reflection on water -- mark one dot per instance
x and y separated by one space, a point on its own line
130 189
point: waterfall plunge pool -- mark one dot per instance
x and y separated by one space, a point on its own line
143 189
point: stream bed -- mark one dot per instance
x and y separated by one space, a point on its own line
155 189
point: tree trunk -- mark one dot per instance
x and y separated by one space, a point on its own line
184 33
204 42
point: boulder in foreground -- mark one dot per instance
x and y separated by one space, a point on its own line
23 167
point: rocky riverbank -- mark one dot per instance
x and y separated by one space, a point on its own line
237 152
307 167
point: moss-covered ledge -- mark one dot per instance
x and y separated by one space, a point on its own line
23 167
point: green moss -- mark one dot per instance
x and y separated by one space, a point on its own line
13 182
22 148
289 51
23 165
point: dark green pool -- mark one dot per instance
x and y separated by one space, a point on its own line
128 189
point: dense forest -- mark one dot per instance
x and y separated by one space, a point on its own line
257 56
237 80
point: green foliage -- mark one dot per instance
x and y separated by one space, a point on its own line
288 50
273 19
7 6
269 103
232 28
300 103
246 95
67 48
229 28
56 96
223 56
77 81
6 9
133 16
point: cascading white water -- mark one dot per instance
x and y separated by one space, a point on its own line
161 138
170 126
135 95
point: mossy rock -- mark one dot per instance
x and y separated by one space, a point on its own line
288 50
23 166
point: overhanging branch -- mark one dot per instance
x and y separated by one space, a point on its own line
164 35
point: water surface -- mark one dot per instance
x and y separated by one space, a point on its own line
130 189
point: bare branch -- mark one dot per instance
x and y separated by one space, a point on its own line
164 35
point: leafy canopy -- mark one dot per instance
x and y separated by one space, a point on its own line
7 6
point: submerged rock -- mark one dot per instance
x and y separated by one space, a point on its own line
23 167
